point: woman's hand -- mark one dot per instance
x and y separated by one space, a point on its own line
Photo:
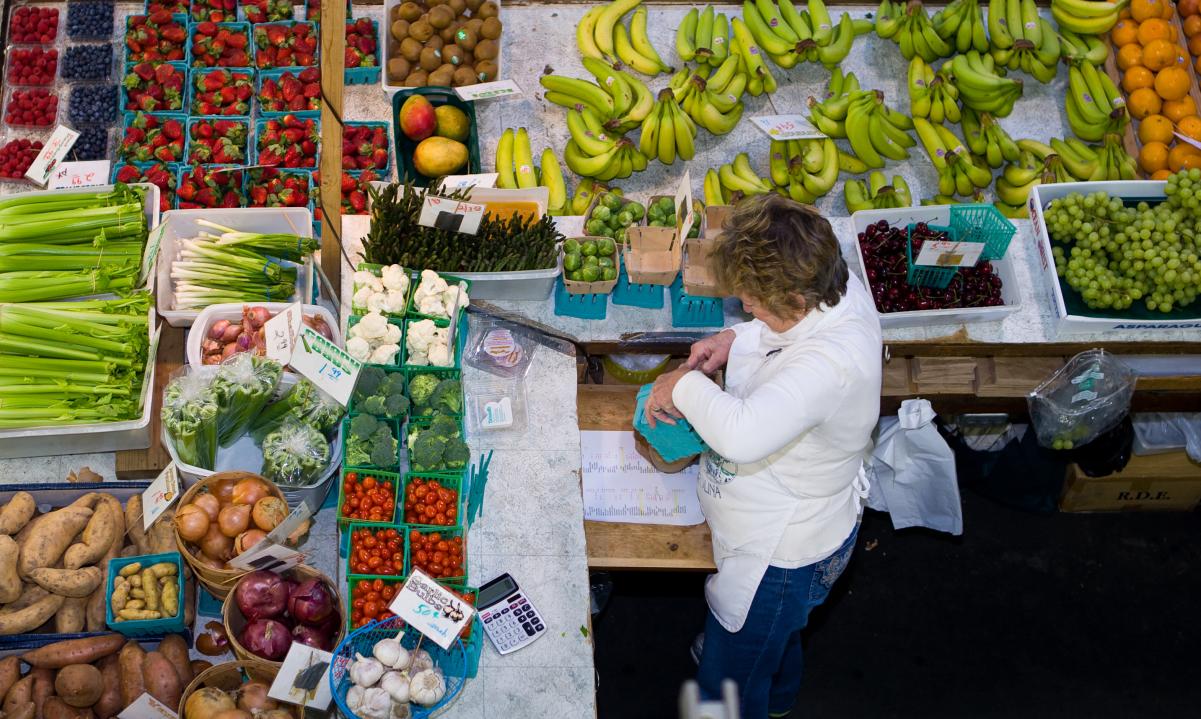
709 354
659 406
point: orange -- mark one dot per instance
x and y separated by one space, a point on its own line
1142 9
1171 83
1143 102
1124 33
1153 29
1156 54
1177 110
1153 157
1136 77
1130 56
1161 174
1190 127
1155 128
1183 157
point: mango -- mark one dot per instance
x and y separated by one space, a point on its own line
438 156
417 118
452 123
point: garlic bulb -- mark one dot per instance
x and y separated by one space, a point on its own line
391 654
427 687
421 660
365 671
354 698
376 704
397 686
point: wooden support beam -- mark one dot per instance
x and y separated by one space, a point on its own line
333 63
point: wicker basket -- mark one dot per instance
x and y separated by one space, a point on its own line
234 622
230 676
218 581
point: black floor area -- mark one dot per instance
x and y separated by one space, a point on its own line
1026 615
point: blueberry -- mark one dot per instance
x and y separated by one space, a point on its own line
87 62
92 105
90 19
92 144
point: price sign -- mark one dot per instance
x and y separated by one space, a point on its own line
304 678
453 215
160 495
325 364
80 174
949 254
787 127
431 609
489 90
280 333
460 182
147 707
53 153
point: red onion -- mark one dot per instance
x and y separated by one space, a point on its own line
312 636
217 331
261 595
267 638
311 602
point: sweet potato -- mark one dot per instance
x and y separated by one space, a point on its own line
17 512
98 536
161 680
132 685
10 672
72 617
175 649
10 581
133 524
43 688
25 710
67 582
109 704
31 617
79 685
75 651
45 544
20 693
56 708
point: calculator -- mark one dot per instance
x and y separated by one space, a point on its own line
510 621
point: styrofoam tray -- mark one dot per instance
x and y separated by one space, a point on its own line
233 312
937 215
182 224
1040 197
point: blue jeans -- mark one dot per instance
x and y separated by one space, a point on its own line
764 657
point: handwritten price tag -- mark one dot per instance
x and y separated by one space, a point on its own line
949 254
453 215
431 609
787 127
80 174
53 152
489 90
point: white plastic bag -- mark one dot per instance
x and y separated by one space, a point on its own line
912 471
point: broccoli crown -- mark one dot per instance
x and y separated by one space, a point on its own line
421 389
369 381
448 395
363 426
425 451
444 426
455 454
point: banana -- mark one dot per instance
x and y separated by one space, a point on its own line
630 56
585 37
552 179
570 92
607 20
506 179
704 35
686 36
582 198
641 41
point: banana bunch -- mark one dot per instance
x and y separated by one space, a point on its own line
515 169
932 95
962 21
711 100
735 181
958 172
1087 17
1094 105
807 169
877 194
981 87
601 35
704 36
986 138
1026 41
789 36
1095 164
668 131
909 26
1081 48
618 99
751 62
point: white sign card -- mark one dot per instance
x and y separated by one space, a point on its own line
685 215
452 215
147 707
280 333
462 182
160 495
787 127
304 678
326 364
939 253
431 609
80 174
53 152
489 90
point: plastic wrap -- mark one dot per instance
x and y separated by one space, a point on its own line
380 393
189 416
244 384
1087 397
295 454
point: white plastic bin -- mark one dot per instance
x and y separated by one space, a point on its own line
233 312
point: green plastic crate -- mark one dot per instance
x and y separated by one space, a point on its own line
928 275
405 147
396 482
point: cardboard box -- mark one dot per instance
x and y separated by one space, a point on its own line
600 287
700 280
653 255
1162 482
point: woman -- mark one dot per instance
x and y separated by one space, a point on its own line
782 484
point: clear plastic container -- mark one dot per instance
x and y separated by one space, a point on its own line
497 406
9 62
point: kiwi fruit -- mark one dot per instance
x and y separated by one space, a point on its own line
490 28
485 70
410 11
410 49
430 59
487 9
441 17
474 5
486 50
400 30
421 30
466 38
453 54
398 69
417 78
442 77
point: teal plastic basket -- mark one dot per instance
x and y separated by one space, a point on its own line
983 223
690 311
585 307
928 275
146 627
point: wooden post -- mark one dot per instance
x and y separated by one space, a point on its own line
333 63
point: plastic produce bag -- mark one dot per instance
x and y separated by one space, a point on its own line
304 401
189 416
912 471
1087 397
244 384
295 454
